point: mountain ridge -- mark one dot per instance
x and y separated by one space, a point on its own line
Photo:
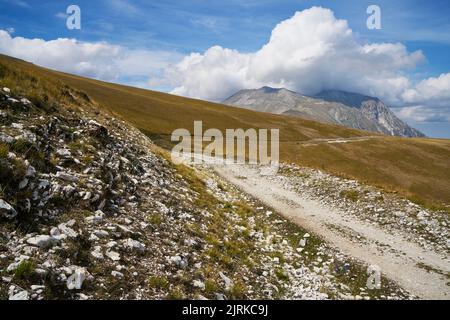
351 99
348 109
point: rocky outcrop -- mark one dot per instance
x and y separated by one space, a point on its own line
374 110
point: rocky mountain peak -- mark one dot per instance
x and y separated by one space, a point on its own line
267 89
348 109
350 99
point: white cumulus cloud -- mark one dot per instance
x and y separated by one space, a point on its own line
423 113
431 91
308 52
97 60
428 101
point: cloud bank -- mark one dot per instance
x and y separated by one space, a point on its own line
97 60
429 100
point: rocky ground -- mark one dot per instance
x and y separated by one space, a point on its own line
428 228
91 209
407 242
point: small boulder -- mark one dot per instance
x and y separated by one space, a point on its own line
117 274
31 171
42 241
179 262
69 232
75 281
228 281
134 245
66 177
96 218
97 253
22 295
114 256
199 284
63 153
7 210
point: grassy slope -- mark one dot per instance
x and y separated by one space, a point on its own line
419 168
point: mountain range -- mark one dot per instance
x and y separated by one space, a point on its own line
348 109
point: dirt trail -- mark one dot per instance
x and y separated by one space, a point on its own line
315 142
399 259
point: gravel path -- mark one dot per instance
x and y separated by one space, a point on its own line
422 272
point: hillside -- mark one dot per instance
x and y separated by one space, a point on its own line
417 168
90 208
335 107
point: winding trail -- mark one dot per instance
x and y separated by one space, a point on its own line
399 259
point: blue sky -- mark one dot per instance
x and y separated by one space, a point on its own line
183 27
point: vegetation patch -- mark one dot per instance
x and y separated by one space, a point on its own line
352 195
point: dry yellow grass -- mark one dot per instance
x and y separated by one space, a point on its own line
417 168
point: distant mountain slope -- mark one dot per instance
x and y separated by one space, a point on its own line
373 109
266 99
338 107
350 99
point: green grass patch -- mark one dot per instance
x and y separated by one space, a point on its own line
25 270
352 195
281 275
158 282
4 150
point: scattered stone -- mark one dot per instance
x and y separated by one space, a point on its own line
37 287
114 256
134 245
22 295
228 281
69 232
117 274
31 172
75 281
97 253
96 218
199 284
66 177
54 232
23 184
41 241
7 210
101 233
179 262
63 153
